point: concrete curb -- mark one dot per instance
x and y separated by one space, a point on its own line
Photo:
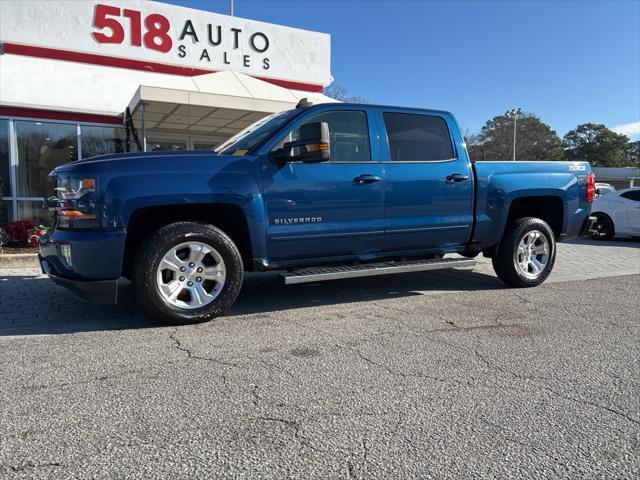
18 260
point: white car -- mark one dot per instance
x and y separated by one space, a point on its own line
604 188
618 213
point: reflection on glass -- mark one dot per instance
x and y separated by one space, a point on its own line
5 186
42 146
5 211
33 210
102 140
153 146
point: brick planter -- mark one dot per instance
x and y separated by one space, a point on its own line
18 260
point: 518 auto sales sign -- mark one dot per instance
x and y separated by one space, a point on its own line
160 33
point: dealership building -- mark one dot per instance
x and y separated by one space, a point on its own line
86 77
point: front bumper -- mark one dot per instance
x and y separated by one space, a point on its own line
588 226
88 263
104 292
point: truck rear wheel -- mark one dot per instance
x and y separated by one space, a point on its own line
187 272
526 254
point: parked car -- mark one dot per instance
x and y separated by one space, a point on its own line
604 188
320 192
617 214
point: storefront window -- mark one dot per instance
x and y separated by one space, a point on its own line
34 210
5 211
204 146
102 140
5 187
160 145
42 146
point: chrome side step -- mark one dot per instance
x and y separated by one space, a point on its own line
319 274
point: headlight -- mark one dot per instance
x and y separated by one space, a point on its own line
75 188
76 203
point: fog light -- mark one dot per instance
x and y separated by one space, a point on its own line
65 250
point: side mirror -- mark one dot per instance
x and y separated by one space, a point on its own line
313 146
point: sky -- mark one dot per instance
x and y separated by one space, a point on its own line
568 62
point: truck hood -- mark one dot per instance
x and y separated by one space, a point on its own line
140 161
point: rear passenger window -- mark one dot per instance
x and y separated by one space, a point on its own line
415 138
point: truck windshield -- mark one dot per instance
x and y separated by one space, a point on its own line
248 138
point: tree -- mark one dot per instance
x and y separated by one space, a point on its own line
338 92
335 91
535 140
596 144
633 153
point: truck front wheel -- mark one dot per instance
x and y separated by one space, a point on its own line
526 254
187 272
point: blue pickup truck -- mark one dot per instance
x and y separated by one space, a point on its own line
319 192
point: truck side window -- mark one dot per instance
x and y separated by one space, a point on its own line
348 135
417 138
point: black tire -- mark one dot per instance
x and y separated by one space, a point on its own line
505 262
150 255
604 227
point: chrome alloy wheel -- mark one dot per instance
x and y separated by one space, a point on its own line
191 275
532 255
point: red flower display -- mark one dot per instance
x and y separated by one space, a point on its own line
20 231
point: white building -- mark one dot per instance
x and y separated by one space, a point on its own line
619 177
69 70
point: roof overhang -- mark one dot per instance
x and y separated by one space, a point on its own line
215 104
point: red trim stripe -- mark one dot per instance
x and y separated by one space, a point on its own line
59 115
92 58
305 87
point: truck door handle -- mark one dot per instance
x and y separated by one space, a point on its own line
366 178
457 177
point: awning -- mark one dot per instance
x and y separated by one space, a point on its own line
214 104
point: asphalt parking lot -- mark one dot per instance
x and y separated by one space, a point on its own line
431 375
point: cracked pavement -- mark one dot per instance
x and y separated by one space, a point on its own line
431 375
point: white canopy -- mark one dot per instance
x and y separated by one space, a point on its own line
220 103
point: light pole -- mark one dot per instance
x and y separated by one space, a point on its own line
514 114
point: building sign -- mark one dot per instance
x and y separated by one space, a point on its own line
159 33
